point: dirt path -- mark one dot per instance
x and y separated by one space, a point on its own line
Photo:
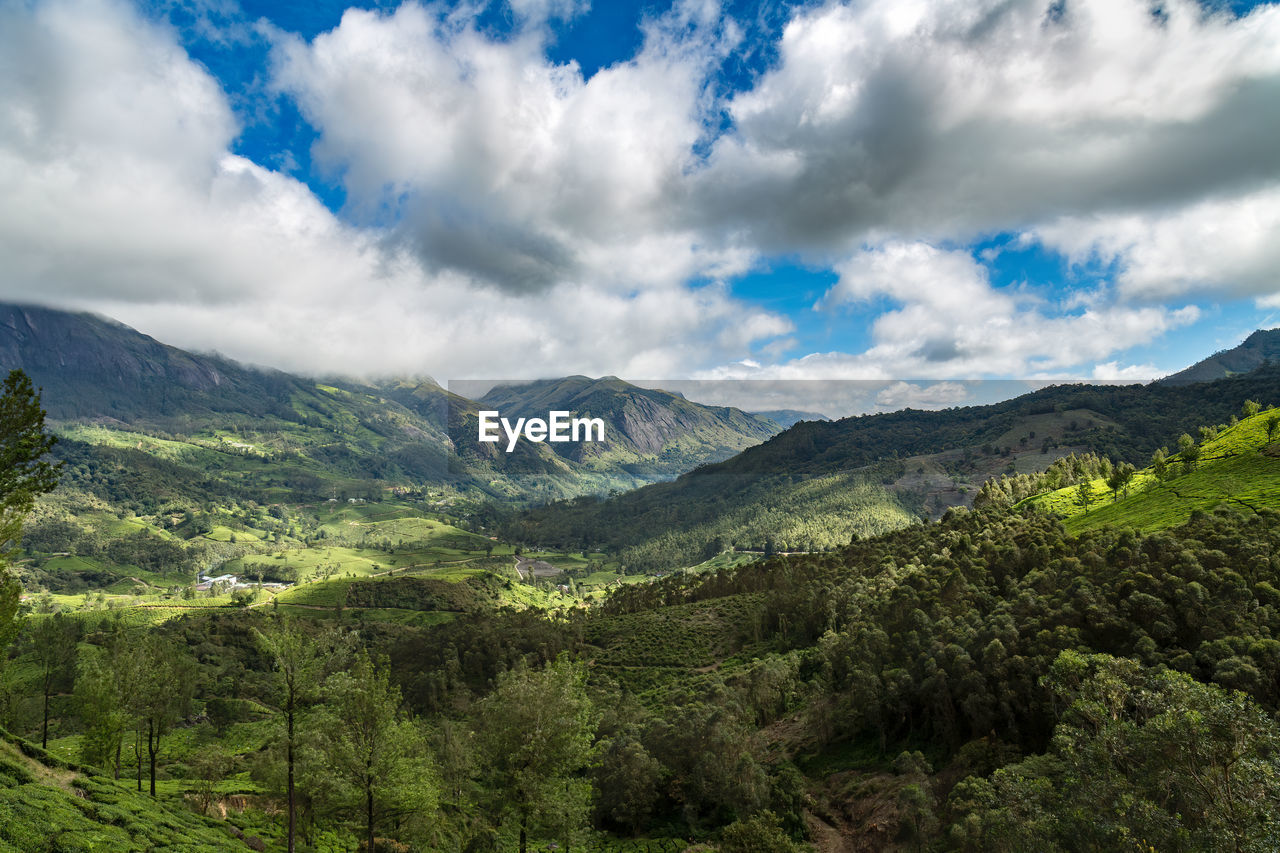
539 568
824 837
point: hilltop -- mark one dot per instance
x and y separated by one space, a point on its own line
818 482
1261 347
121 398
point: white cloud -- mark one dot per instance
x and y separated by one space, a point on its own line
950 322
943 119
1220 246
901 395
505 166
1114 371
119 195
509 216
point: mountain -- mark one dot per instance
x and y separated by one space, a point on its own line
650 433
790 417
93 367
800 487
111 391
1262 347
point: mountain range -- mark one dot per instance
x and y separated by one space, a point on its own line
818 483
1261 347
340 433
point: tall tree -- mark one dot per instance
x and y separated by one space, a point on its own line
1188 452
1121 476
25 474
536 731
369 746
165 690
54 641
106 679
1084 494
298 663
1160 464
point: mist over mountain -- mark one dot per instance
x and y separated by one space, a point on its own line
96 370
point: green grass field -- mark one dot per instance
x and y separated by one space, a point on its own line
1237 467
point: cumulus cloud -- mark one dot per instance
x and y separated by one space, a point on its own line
950 321
509 216
120 195
900 395
1226 246
1114 371
495 162
943 119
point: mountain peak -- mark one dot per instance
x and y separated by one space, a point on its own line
1261 347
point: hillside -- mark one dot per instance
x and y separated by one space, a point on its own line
124 401
1237 465
651 433
52 805
1261 347
902 685
894 466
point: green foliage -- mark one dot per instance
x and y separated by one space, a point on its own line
1143 758
669 525
372 761
164 688
761 833
1234 467
25 474
536 731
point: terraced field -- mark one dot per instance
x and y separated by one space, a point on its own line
1239 466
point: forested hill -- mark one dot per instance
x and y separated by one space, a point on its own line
1261 347
903 463
1142 418
641 424
105 385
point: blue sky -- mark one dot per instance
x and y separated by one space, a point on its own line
876 190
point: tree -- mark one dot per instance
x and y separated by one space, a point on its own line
297 663
1084 494
1160 464
761 833
628 780
368 746
1273 424
106 678
1188 452
1250 408
1120 477
209 766
25 474
53 646
164 691
536 731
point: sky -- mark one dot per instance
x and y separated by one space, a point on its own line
887 190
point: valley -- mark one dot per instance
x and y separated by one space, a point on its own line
960 629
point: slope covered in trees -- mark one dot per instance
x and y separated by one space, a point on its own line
950 679
879 467
128 400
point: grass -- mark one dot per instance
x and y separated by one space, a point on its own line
47 805
1237 467
684 636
